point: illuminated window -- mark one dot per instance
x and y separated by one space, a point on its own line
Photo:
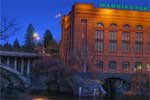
100 25
139 27
113 35
126 26
112 65
99 46
148 67
138 66
126 36
99 34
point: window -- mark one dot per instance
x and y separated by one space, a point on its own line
126 26
138 47
83 21
149 37
113 35
138 36
99 34
112 65
126 36
113 46
125 65
148 44
99 45
126 46
113 26
101 25
99 64
148 67
138 66
148 47
139 27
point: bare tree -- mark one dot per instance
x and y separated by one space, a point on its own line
7 28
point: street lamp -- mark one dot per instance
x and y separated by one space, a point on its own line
37 37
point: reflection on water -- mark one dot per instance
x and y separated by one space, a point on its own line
58 96
40 98
69 97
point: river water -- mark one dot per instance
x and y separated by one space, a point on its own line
59 96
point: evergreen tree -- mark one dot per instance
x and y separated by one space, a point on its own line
7 46
16 45
47 39
29 39
50 44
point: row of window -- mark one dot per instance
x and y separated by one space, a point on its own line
125 35
125 65
138 46
126 26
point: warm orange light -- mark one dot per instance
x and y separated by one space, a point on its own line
40 99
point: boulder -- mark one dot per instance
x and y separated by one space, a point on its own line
86 87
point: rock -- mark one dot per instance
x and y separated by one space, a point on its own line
64 85
86 87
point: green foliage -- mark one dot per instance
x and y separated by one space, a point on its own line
140 83
16 45
47 38
7 46
50 44
29 39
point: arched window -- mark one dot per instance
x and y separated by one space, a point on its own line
139 27
112 65
148 66
126 26
101 25
125 65
113 26
138 65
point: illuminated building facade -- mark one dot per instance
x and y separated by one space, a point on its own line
105 39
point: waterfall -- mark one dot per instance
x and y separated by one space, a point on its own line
102 90
80 91
94 93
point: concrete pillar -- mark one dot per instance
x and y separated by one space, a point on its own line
8 60
15 63
28 67
22 66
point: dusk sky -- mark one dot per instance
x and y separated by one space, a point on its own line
41 13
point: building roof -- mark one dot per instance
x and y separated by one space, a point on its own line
18 54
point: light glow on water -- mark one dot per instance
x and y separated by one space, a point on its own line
40 98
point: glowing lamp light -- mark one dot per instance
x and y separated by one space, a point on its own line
36 36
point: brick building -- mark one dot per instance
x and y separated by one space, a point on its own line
106 40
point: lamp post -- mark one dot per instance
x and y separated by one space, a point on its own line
37 37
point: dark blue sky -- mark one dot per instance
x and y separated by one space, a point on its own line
41 13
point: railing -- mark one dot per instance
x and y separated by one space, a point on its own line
25 80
